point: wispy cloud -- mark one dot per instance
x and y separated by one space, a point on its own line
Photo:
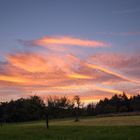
120 61
54 73
68 66
13 79
79 76
61 42
110 72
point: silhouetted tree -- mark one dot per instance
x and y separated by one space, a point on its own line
135 103
23 109
78 103
59 107
117 103
90 109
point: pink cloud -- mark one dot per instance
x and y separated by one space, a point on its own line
60 74
60 42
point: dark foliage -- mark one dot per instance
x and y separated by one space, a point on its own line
60 107
117 104
22 109
34 108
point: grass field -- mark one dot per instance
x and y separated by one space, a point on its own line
111 128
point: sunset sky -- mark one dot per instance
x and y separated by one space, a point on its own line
89 48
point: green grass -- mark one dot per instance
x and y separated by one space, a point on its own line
110 128
102 121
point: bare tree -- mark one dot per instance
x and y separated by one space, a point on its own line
78 103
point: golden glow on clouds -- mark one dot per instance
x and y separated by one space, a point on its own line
83 88
13 79
86 101
79 76
108 90
69 41
51 73
56 75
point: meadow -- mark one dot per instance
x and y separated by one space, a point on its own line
90 128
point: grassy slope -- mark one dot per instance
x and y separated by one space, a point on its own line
102 121
86 129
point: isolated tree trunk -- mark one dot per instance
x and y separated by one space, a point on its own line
77 114
77 117
47 121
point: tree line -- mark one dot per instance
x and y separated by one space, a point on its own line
118 103
34 108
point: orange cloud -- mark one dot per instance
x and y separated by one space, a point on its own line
28 62
79 76
56 74
37 63
69 41
13 79
52 69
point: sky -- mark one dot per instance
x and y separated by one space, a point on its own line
89 48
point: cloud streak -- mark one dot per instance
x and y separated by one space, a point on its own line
13 79
79 76
112 73
68 41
